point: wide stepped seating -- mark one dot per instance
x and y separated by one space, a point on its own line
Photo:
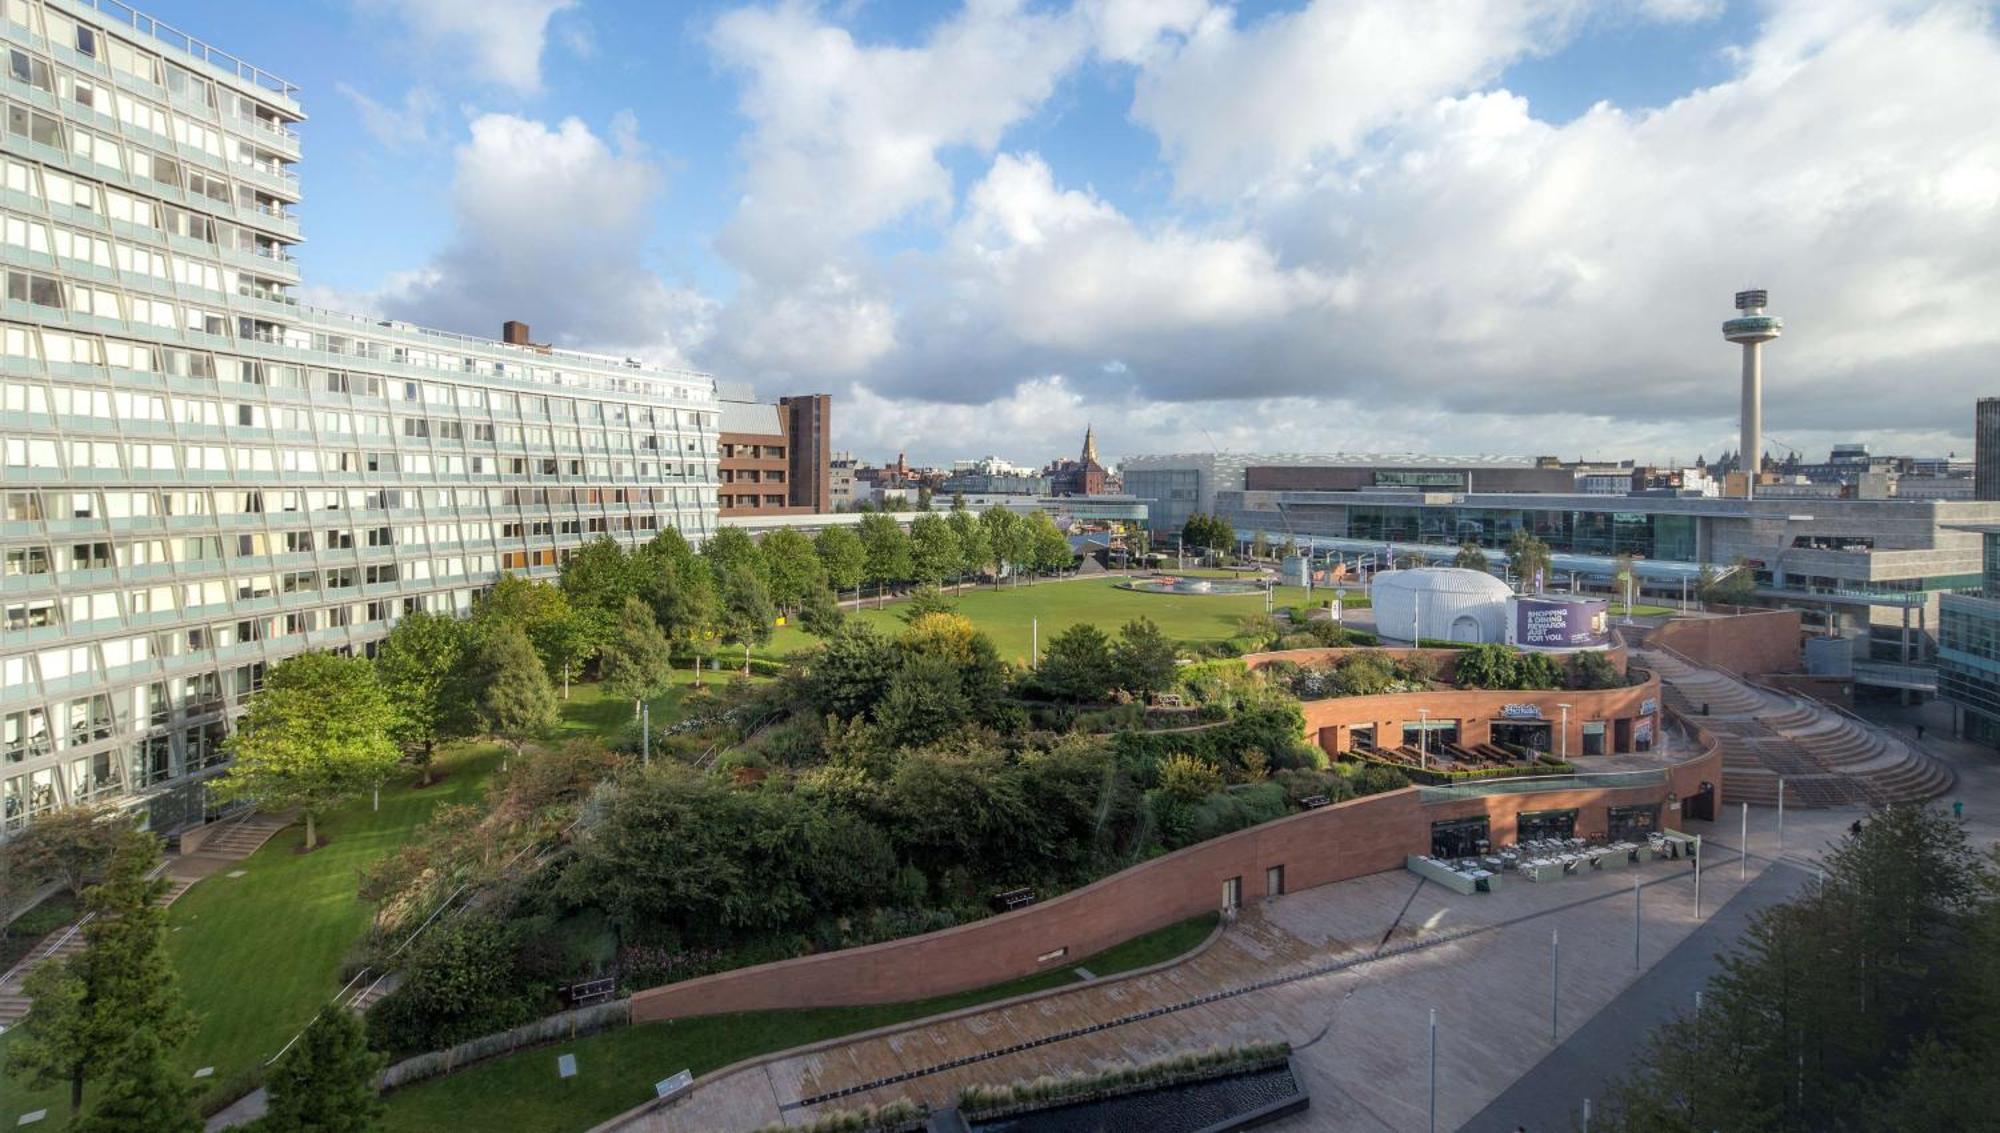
1824 757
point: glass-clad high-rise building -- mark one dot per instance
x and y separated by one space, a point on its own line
203 475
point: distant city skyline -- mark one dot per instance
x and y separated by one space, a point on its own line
1509 227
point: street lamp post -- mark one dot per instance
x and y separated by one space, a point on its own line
1423 738
1565 731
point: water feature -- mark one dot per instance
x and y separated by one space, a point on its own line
1182 584
1173 1109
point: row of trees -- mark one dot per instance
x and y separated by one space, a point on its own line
111 1017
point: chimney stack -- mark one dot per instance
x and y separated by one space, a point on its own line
514 332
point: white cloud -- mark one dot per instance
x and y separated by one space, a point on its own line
396 127
1471 265
1237 105
551 227
1681 11
500 41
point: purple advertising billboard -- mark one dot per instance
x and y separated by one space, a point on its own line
1562 623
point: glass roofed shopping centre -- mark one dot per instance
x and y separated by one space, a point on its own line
203 475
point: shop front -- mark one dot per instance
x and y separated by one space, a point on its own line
1461 837
1536 825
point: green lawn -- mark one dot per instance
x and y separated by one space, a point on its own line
1641 610
520 1093
258 954
1007 614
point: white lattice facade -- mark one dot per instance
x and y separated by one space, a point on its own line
201 475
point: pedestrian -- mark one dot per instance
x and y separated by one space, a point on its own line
1958 808
1920 731
1855 829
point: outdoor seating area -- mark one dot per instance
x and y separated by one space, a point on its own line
1548 859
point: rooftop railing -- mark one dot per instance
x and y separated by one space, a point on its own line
1598 780
189 45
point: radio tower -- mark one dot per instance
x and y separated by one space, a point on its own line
1752 329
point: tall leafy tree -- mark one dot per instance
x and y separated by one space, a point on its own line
843 557
1079 664
69 845
747 613
934 553
1003 539
1144 658
888 550
793 567
596 579
638 660
685 602
143 1092
1469 557
820 614
975 549
541 611
422 668
326 1082
925 702
515 699
730 548
317 733
88 1008
1052 551
851 672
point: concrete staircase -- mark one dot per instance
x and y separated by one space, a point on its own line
1826 758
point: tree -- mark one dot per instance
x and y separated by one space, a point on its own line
142 1093
843 558
1006 540
515 700
793 567
1529 557
887 548
851 672
87 1008
422 668
685 604
1079 665
1208 533
69 845
925 600
638 660
1189 778
317 733
975 549
326 1082
732 547
1469 557
1143 658
1734 587
924 703
1260 546
746 612
934 551
1051 550
543 613
596 579
820 615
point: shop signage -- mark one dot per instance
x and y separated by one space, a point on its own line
1521 711
1642 732
1648 706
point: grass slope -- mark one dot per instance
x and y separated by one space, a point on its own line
1008 614
258 954
520 1093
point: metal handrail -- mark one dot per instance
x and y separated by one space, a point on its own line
176 38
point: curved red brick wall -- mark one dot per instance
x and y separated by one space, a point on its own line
1747 644
1334 843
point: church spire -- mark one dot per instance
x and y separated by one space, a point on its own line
1089 446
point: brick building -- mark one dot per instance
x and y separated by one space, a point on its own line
775 456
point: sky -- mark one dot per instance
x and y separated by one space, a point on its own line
1447 226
